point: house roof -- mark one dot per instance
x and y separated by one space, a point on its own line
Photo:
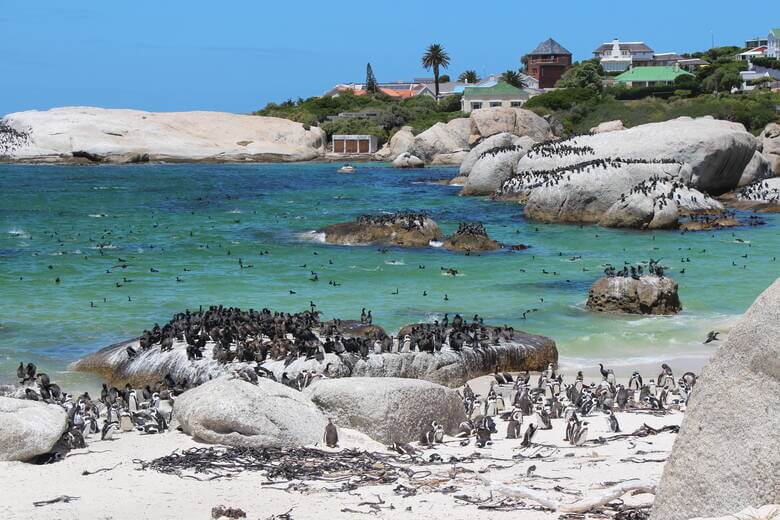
624 46
549 46
693 61
501 89
669 73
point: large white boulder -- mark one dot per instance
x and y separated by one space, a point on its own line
758 169
400 143
494 166
486 122
501 140
388 409
113 135
658 204
608 126
235 412
648 294
29 428
770 138
727 454
407 160
441 139
716 152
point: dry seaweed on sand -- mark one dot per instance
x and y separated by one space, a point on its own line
352 468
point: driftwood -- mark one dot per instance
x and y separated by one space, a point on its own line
580 506
62 498
86 472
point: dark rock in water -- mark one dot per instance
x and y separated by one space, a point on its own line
518 351
707 224
399 229
727 454
470 237
397 410
648 294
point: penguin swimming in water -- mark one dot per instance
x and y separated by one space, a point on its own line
331 435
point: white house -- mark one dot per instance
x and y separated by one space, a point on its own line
502 94
617 56
773 44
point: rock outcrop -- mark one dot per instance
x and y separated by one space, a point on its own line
84 134
501 140
486 122
442 139
29 428
234 412
494 165
658 205
758 169
407 160
393 410
400 143
770 138
759 196
402 229
608 126
713 153
647 294
449 368
470 237
726 457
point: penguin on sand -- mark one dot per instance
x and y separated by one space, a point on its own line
529 435
614 426
514 425
331 435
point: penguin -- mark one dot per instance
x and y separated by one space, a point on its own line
132 401
31 394
543 419
529 435
581 434
20 373
635 383
614 426
109 429
331 435
465 429
438 434
622 397
514 425
571 428
690 379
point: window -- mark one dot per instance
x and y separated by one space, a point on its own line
495 103
475 105
516 104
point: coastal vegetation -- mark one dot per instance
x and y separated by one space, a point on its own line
419 112
435 58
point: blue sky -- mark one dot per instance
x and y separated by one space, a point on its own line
236 55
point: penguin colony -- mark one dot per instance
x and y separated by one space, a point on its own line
476 229
257 336
635 272
119 410
672 191
550 398
524 181
11 139
760 191
501 149
408 220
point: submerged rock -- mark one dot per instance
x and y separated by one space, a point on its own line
727 453
29 428
234 412
395 410
399 229
647 294
85 134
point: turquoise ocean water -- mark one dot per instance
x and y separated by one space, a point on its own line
194 222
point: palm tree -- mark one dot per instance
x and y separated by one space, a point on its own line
469 76
435 56
513 78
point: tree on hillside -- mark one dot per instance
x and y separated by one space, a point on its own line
513 78
371 85
585 74
435 57
445 78
468 76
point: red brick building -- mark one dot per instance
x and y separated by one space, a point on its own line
547 63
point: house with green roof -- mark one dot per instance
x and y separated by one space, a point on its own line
502 94
651 76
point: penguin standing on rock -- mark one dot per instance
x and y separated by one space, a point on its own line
331 435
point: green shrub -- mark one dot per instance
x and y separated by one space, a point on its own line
355 126
561 99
